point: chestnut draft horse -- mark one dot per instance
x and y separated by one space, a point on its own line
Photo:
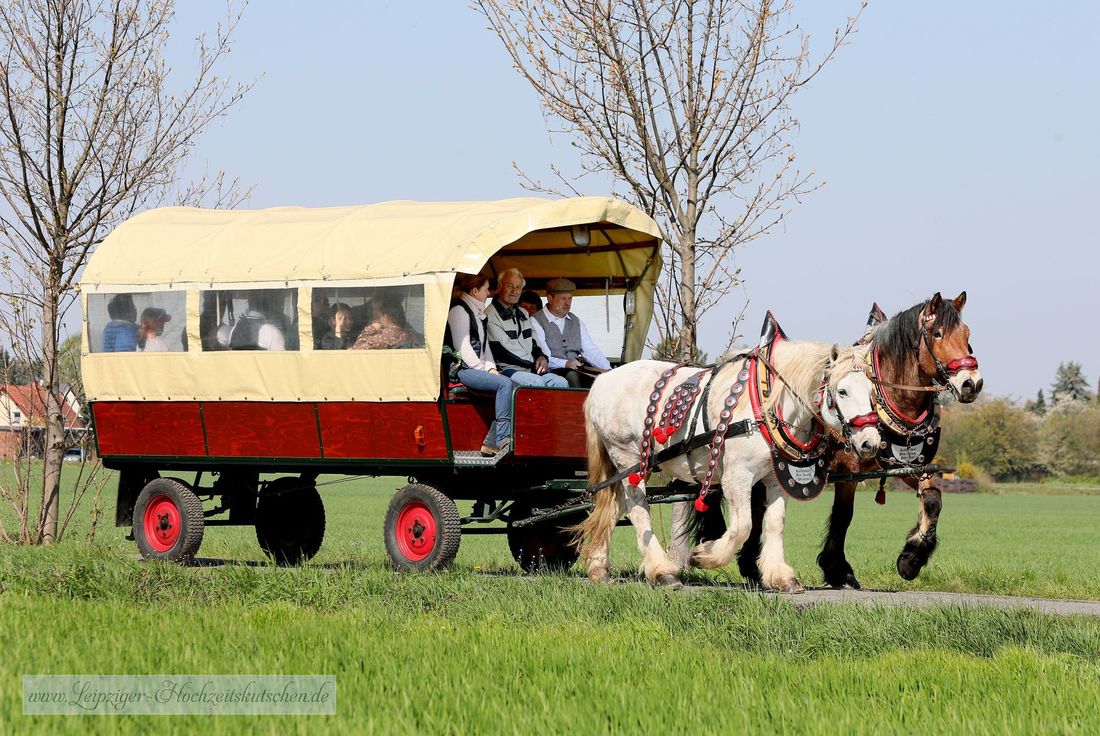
915 354
619 416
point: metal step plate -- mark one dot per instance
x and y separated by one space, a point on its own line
476 459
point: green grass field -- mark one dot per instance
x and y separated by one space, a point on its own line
483 648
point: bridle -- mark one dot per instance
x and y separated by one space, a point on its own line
848 426
953 367
824 395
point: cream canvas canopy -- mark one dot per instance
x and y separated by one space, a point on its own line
400 242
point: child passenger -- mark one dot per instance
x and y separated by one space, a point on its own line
339 335
149 338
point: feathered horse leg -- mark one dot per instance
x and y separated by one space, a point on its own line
775 573
737 491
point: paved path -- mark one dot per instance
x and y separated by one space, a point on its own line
927 599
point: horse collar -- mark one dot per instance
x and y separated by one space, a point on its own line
888 411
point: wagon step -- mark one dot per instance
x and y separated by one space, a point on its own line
476 459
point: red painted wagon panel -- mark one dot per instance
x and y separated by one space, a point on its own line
261 429
159 428
549 423
411 430
469 423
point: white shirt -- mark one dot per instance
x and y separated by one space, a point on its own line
270 337
459 323
156 344
589 350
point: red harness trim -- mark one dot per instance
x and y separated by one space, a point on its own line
965 363
864 420
890 405
758 415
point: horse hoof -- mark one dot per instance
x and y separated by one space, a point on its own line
908 567
852 583
599 576
668 581
792 587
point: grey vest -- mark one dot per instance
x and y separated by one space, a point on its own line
510 339
567 346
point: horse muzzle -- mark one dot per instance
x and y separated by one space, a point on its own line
966 383
863 435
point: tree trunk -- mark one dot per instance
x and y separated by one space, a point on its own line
54 446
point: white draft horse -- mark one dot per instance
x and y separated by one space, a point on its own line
614 421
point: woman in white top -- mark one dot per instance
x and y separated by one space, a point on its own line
476 369
149 338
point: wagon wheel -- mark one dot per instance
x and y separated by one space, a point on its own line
545 547
422 529
290 521
168 521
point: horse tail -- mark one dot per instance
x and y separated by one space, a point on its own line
707 525
605 512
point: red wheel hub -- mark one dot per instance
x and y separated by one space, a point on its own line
416 530
162 523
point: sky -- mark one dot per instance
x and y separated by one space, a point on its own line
957 143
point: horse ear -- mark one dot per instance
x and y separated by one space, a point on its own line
932 309
959 301
835 353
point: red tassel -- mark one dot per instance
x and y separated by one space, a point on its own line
634 479
660 436
701 505
880 497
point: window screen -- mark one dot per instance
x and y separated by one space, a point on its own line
128 322
249 319
368 318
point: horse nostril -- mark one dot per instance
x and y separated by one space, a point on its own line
978 387
968 386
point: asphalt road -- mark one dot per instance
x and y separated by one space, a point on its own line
927 599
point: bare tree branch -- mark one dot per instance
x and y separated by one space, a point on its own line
93 128
686 105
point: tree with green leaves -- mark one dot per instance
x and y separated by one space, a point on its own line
1069 384
1037 406
995 435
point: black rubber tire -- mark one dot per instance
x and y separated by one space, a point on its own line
192 523
546 547
444 515
290 521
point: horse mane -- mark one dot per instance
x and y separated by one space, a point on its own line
899 337
802 371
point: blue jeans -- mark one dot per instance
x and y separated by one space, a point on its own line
487 382
547 380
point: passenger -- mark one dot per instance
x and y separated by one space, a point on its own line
517 354
321 315
389 330
121 333
338 334
573 353
254 330
152 327
472 361
531 302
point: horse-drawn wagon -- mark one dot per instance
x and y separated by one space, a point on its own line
205 368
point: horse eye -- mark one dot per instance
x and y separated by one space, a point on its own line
938 334
842 392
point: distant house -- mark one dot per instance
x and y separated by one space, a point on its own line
23 420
